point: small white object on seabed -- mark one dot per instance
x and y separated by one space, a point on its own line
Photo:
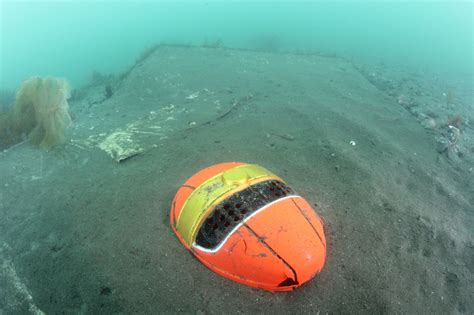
352 142
193 96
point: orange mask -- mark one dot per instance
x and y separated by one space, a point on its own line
244 223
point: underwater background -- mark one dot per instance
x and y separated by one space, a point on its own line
364 108
75 38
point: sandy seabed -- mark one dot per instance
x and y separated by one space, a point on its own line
83 233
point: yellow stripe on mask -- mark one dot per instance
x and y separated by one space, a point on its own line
215 190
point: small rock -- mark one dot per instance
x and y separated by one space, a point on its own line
442 145
105 291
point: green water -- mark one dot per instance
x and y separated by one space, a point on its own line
364 108
74 38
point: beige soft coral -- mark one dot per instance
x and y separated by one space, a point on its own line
41 110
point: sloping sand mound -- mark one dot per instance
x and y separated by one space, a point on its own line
87 234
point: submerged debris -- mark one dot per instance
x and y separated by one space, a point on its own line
283 136
449 142
120 146
128 141
423 98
